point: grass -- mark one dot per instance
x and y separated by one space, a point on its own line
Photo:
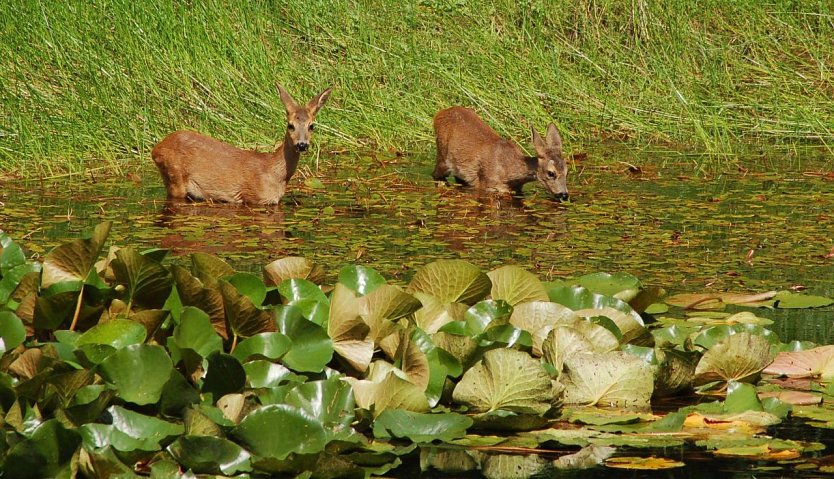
96 84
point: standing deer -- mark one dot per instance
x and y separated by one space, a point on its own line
472 152
198 167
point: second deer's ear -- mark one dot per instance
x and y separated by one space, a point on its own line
286 99
318 101
538 143
554 140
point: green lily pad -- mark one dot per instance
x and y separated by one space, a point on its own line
250 286
277 430
129 431
138 372
242 315
420 428
12 332
311 347
117 333
295 289
209 269
361 279
263 345
196 333
47 453
224 375
210 455
789 300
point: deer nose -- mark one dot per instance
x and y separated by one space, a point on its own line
302 146
561 196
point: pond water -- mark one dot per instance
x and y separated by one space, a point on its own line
750 229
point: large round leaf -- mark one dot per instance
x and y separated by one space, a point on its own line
250 286
361 279
295 289
265 345
505 379
210 455
73 261
348 330
451 281
139 372
739 357
538 318
277 430
45 454
385 388
12 332
196 333
242 315
515 285
148 282
384 305
117 333
612 379
311 347
128 431
591 304
209 269
619 285
330 401
282 269
192 293
420 428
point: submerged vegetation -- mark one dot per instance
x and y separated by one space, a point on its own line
125 363
97 84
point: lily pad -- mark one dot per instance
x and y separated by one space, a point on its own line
210 455
47 453
451 281
348 330
12 332
277 430
293 267
816 362
138 372
615 379
74 261
419 427
740 357
651 463
515 285
505 379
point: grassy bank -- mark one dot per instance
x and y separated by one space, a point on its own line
88 84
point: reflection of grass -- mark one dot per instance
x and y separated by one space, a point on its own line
99 85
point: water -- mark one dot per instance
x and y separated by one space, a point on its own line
747 230
750 230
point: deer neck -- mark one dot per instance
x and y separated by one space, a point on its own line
531 164
287 156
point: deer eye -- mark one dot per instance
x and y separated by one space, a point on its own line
311 126
290 127
551 174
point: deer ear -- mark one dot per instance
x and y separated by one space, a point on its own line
318 101
286 99
554 140
538 143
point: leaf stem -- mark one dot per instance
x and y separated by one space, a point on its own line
77 309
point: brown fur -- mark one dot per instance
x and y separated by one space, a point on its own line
199 167
472 152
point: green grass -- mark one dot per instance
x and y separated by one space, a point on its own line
96 84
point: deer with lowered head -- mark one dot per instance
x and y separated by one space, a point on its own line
472 152
198 167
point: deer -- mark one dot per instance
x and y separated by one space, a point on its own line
197 167
475 155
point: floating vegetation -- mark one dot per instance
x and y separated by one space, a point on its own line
123 360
